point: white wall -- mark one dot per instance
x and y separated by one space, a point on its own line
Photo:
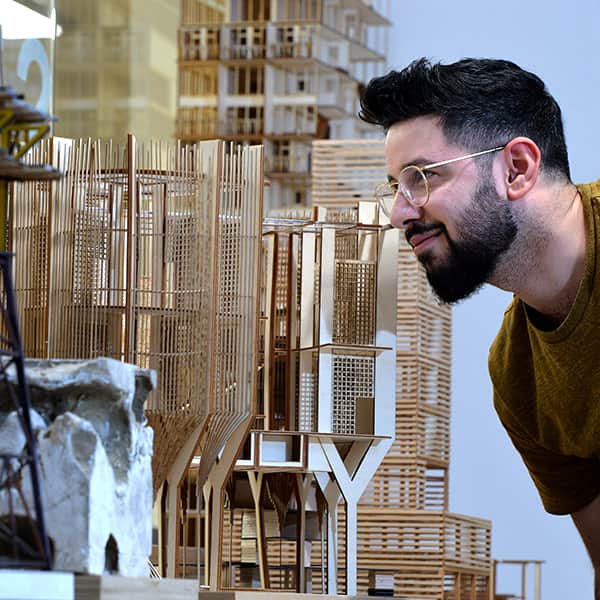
487 477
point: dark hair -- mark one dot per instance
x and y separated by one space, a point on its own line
481 103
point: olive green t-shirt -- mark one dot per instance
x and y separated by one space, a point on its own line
547 386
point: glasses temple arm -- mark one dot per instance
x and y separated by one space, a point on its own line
453 160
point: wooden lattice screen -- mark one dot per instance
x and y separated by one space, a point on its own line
148 254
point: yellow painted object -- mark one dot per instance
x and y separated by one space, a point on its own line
23 137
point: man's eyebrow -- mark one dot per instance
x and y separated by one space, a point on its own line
419 161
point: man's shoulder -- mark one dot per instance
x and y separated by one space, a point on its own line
590 190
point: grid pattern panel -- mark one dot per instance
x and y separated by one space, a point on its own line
353 379
355 302
29 238
306 407
282 308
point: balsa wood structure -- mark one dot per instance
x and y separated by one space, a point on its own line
404 527
325 409
151 255
278 72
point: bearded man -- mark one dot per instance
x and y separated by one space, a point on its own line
478 178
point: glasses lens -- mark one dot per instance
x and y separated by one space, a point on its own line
386 194
413 185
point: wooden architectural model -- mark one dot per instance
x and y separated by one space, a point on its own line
280 73
404 528
274 343
151 255
325 406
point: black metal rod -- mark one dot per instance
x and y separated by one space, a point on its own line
24 404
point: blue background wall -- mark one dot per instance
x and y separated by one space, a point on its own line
487 477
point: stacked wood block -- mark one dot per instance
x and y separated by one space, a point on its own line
404 528
346 172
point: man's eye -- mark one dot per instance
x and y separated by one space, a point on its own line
429 174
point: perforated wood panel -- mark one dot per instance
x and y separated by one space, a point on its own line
354 301
354 381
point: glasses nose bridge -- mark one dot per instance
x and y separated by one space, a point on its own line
403 207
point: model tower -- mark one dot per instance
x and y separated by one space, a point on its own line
151 254
407 539
277 72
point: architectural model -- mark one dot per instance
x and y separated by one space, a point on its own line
151 255
406 535
325 407
280 73
274 342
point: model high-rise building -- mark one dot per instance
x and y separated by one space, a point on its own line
277 72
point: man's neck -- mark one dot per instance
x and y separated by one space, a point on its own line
551 263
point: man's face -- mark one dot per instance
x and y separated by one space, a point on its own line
465 227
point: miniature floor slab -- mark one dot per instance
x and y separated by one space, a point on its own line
106 587
36 585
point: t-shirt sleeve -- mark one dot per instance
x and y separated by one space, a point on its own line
565 484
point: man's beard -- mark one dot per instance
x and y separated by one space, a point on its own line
487 230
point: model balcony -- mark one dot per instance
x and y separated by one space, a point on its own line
287 164
293 120
242 127
196 123
352 18
199 42
244 41
293 41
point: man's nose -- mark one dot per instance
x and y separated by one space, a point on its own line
403 212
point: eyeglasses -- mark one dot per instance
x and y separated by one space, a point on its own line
413 183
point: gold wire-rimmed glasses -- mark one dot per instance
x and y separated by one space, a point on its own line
413 183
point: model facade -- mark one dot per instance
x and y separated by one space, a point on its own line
406 536
280 73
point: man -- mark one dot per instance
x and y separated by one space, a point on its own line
479 180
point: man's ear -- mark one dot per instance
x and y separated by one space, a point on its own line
521 166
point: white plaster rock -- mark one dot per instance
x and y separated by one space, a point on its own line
95 455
